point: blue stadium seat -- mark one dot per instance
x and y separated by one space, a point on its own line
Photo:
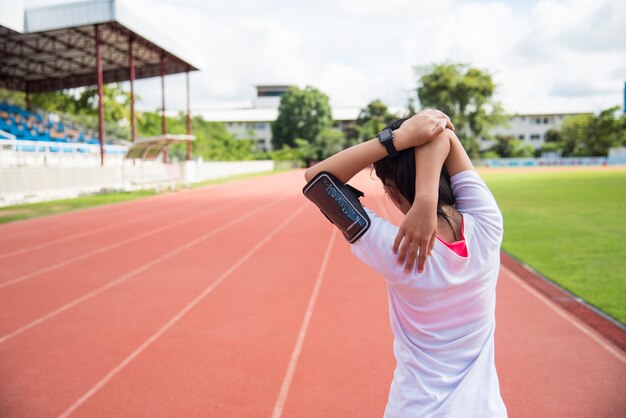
32 126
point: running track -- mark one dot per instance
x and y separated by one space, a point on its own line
240 300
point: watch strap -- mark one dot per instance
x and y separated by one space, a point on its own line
386 138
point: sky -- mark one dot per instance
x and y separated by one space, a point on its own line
546 56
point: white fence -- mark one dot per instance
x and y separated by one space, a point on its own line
544 162
617 156
30 184
195 171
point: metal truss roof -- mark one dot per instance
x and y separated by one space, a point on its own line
64 57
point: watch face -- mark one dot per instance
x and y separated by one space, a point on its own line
386 135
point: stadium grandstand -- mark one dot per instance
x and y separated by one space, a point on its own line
32 126
47 155
74 45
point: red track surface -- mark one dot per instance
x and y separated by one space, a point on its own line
240 301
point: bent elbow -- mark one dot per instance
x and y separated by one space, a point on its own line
308 175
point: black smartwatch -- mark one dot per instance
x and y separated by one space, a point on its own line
386 138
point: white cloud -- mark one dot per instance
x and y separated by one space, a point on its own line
535 55
566 55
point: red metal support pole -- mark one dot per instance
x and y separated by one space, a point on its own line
188 118
163 118
100 94
131 69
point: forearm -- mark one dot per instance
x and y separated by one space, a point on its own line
429 160
347 163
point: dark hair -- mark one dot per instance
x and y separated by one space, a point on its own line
399 172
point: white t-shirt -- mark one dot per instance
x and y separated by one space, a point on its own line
443 319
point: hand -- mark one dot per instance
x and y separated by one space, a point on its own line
423 127
417 233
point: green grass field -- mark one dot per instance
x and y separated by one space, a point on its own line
571 227
33 210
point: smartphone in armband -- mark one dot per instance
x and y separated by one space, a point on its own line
340 204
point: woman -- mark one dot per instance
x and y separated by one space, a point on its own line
442 312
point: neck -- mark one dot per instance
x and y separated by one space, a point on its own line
452 229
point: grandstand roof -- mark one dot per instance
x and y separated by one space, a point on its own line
56 50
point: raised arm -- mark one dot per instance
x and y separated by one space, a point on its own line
416 235
457 160
416 131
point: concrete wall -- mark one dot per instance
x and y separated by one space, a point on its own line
31 184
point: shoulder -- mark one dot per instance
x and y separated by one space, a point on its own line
375 247
380 230
466 176
473 197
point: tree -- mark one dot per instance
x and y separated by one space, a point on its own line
84 101
372 119
16 98
466 95
330 141
552 148
591 135
305 150
116 102
80 106
508 146
301 114
553 142
552 135
288 154
213 141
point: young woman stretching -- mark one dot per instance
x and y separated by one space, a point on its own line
442 312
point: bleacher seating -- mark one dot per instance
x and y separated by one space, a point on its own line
32 126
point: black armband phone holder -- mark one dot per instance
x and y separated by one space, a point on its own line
340 204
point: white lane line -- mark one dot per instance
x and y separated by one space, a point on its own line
567 316
141 217
134 272
87 233
295 355
107 247
176 317
34 229
112 246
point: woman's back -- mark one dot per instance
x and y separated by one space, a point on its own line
443 319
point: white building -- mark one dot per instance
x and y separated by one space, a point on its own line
530 128
255 122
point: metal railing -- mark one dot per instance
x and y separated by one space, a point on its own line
24 153
19 145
